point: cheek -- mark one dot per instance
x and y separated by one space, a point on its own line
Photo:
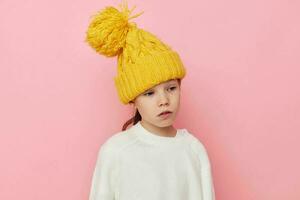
176 101
176 97
146 108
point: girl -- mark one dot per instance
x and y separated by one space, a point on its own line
151 160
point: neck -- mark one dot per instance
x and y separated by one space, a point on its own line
168 131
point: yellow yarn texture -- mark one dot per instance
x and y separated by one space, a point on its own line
143 59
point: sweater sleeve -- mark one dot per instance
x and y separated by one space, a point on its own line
207 184
104 176
206 173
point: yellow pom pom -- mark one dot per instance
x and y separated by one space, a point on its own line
108 30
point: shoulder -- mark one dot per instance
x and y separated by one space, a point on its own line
198 147
195 142
118 141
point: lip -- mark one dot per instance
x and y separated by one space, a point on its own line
166 111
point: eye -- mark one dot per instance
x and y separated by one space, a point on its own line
173 88
146 94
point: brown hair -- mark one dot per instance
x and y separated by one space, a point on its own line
137 117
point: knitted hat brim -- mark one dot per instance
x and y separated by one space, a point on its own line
147 72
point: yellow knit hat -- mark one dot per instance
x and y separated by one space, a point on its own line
143 60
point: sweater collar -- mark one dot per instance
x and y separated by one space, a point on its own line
154 137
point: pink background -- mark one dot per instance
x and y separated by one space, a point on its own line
241 96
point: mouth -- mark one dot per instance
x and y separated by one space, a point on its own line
165 113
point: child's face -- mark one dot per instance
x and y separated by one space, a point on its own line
162 97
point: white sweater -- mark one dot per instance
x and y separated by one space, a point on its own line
136 164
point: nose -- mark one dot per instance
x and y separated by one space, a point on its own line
163 99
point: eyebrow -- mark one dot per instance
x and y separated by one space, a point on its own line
172 83
167 85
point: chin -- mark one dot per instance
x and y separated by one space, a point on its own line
165 123
161 122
